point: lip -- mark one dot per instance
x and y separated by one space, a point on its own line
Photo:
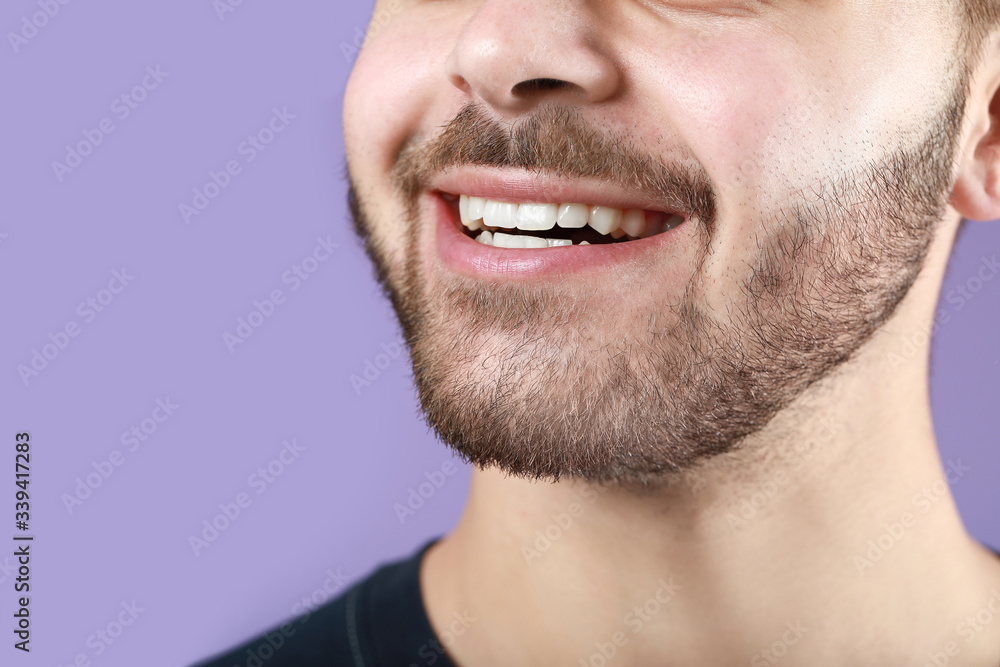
465 255
520 186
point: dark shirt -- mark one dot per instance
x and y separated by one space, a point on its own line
380 622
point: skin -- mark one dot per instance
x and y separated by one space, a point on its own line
834 86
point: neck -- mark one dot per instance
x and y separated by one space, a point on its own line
829 538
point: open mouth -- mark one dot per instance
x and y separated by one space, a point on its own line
547 225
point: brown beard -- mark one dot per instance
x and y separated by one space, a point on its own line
523 378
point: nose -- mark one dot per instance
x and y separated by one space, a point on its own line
515 54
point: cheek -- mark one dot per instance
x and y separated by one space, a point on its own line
768 132
729 113
396 84
768 115
390 88
737 119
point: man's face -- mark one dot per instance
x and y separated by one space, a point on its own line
784 166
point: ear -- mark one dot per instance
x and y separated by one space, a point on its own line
976 194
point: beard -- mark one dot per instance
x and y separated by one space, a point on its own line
534 380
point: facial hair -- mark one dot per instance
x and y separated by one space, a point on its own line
520 377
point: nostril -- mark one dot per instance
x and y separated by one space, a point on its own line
536 85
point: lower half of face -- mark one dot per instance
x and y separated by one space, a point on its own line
630 360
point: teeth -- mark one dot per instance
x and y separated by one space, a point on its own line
573 216
659 223
479 213
477 206
606 219
634 222
537 217
500 214
501 240
468 220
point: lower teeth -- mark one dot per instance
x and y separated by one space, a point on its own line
503 240
512 238
499 239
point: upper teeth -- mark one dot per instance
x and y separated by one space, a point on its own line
478 213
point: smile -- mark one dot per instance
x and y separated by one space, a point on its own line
520 225
510 225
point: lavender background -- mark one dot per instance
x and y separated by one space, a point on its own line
331 509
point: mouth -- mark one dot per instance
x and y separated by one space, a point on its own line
543 225
522 226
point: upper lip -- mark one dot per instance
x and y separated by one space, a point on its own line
521 186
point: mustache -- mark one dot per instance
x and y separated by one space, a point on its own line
556 141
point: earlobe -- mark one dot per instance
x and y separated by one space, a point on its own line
976 193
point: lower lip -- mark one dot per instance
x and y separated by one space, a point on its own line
466 255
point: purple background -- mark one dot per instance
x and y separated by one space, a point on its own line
162 336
